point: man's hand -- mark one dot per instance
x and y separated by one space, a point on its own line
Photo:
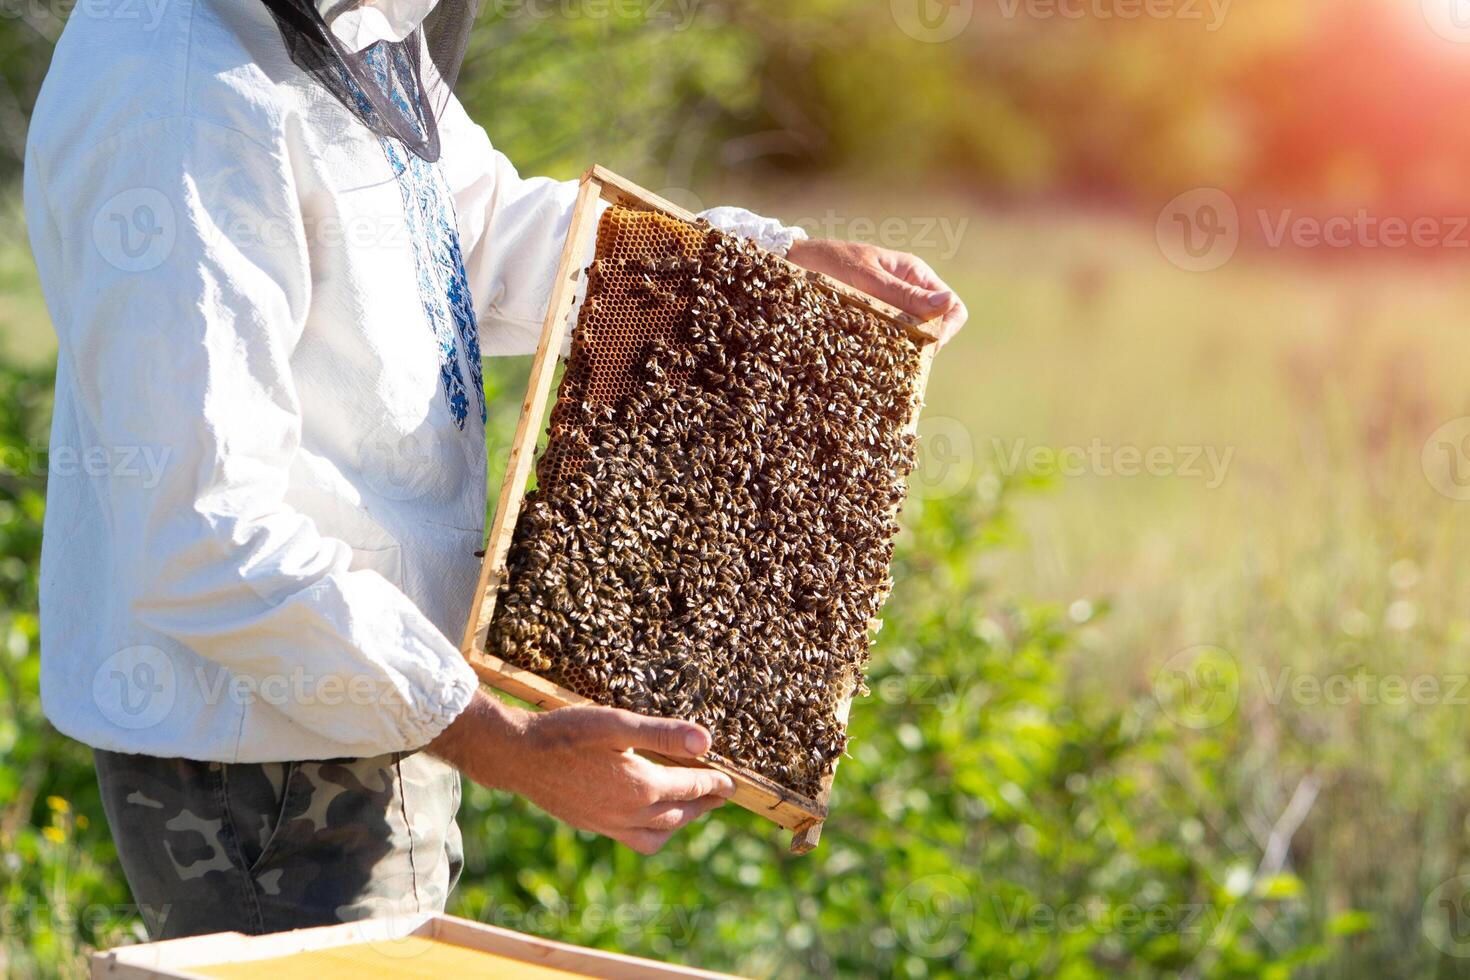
897 278
578 765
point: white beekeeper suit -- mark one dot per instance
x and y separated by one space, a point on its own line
268 459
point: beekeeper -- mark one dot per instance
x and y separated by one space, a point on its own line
275 248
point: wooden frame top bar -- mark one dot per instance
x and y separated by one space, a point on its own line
617 190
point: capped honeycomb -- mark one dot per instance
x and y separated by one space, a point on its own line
712 525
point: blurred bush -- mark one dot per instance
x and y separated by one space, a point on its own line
987 823
61 892
1021 98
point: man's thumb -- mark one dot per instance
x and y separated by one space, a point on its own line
666 736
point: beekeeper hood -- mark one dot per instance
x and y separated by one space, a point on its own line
334 41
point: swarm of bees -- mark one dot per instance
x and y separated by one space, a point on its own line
712 526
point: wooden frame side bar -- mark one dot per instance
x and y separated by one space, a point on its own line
533 413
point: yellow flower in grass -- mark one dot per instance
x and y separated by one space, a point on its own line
58 804
53 834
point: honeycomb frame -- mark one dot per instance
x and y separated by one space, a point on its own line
794 811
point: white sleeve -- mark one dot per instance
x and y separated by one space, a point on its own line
187 344
512 230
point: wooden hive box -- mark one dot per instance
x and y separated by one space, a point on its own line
792 810
424 947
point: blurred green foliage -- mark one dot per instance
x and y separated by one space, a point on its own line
988 823
1022 98
60 889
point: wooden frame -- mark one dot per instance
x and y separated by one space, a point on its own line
175 957
796 812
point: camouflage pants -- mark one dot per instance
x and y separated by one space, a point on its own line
217 847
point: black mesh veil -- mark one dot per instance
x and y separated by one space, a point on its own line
388 85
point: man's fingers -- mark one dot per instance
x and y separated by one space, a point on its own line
671 816
680 783
619 729
932 296
953 321
915 300
644 841
911 268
